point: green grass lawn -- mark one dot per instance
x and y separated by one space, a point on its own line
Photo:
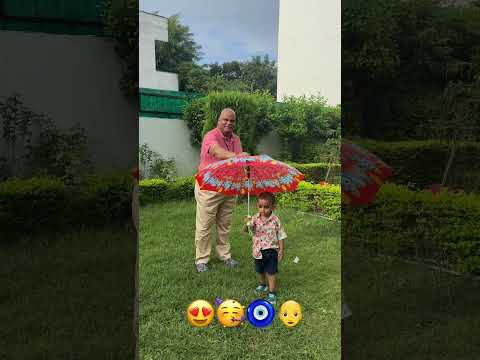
68 296
169 282
408 311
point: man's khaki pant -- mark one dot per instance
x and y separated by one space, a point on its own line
212 207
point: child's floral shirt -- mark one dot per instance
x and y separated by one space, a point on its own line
266 234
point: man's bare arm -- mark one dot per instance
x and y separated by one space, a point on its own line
220 153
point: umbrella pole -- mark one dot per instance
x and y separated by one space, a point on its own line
248 202
248 190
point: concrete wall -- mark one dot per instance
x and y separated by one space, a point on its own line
170 138
309 43
270 145
151 28
73 79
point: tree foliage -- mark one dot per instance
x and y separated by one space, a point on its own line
180 48
258 73
398 57
181 55
307 128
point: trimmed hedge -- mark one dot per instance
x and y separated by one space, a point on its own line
159 190
102 199
325 199
308 197
421 163
316 172
32 204
43 204
442 227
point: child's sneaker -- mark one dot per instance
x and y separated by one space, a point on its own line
272 298
261 288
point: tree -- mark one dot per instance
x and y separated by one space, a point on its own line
181 54
180 48
397 58
192 77
255 74
196 78
260 74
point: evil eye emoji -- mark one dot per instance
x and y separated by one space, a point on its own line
200 313
260 313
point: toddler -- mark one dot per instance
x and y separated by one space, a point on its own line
267 243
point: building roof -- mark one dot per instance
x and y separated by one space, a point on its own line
53 16
154 14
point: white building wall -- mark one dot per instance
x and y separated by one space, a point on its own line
171 138
309 45
85 73
151 28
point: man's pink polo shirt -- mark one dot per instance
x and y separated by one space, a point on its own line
215 136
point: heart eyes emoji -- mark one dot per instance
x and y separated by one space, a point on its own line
194 311
206 311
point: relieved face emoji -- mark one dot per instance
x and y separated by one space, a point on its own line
230 313
290 313
200 313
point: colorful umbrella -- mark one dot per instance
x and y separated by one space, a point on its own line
245 175
362 174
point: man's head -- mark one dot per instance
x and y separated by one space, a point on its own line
226 122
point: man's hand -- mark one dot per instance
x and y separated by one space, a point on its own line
246 219
244 154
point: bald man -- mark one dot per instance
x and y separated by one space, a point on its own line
212 207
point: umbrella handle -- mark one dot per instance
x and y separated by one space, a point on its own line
248 189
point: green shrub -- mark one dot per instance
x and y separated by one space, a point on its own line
252 111
44 204
153 165
102 199
251 114
303 125
159 190
316 172
31 205
194 116
324 199
442 227
421 163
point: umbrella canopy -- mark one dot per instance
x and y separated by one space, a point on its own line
242 175
362 174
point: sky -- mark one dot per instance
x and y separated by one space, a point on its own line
227 30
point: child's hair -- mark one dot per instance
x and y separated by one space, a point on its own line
267 196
